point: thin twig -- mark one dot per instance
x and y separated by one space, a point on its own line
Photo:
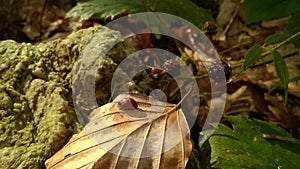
41 19
280 44
271 60
223 34
276 137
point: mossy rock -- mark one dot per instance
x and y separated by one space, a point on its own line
36 108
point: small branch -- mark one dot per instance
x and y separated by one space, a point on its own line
271 60
186 83
281 138
223 34
269 51
280 44
234 47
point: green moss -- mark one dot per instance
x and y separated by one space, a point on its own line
36 109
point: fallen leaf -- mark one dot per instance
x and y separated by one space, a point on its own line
155 135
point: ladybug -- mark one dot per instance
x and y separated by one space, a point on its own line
127 104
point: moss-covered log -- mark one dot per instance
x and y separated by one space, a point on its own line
36 105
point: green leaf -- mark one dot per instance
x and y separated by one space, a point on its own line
295 79
278 84
275 38
111 8
274 87
293 24
251 56
185 9
282 71
251 144
105 8
258 10
293 27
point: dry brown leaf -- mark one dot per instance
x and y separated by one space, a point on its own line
250 98
239 102
294 88
116 138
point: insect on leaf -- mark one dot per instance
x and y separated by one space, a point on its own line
153 136
251 56
282 71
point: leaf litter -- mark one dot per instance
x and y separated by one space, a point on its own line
156 135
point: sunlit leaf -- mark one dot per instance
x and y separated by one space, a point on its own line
281 70
251 144
152 136
251 56
104 8
111 8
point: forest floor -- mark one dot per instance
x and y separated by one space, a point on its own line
248 92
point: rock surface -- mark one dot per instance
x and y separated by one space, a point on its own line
36 108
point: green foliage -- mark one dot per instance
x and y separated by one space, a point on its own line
295 79
185 9
104 8
276 41
251 56
111 8
278 85
258 10
293 27
275 38
251 144
282 71
212 5
291 33
293 24
271 44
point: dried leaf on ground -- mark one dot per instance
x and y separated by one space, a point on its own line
250 99
116 138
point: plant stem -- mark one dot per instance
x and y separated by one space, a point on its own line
234 47
271 60
269 51
237 64
280 44
276 137
186 83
